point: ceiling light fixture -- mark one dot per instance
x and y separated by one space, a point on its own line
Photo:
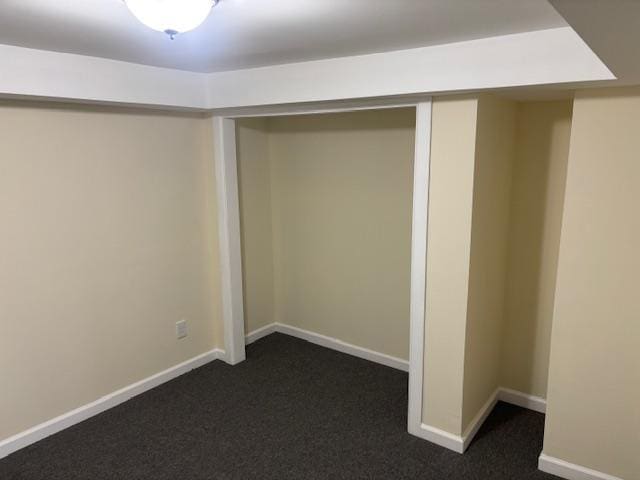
171 16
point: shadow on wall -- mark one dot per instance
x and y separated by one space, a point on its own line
325 209
392 119
537 199
256 233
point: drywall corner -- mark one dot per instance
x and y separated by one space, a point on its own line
254 179
453 151
495 146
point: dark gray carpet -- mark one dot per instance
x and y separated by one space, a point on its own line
293 410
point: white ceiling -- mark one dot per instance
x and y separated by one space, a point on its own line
612 31
250 33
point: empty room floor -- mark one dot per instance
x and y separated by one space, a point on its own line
292 410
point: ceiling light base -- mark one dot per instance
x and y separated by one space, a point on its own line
172 33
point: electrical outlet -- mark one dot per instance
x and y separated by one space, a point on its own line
181 329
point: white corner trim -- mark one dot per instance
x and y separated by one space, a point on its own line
331 343
260 333
479 419
226 177
66 420
440 437
521 399
570 471
417 301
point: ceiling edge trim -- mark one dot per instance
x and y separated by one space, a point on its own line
554 56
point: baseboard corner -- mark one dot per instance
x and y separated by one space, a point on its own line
477 421
521 399
570 471
260 333
439 437
328 342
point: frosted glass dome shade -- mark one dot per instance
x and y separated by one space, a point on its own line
171 16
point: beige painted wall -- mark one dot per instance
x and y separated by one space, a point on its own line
496 198
494 153
453 135
593 415
341 192
254 178
108 238
326 220
537 199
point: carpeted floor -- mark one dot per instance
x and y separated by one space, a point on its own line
293 410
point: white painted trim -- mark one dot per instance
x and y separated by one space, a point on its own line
440 437
42 74
478 420
502 394
417 307
552 56
224 131
319 108
260 333
570 471
521 399
418 275
461 443
543 57
66 420
344 347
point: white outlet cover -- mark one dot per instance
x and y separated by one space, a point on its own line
181 329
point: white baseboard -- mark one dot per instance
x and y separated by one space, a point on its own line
445 439
259 333
440 437
521 399
479 419
459 443
570 471
66 420
329 342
